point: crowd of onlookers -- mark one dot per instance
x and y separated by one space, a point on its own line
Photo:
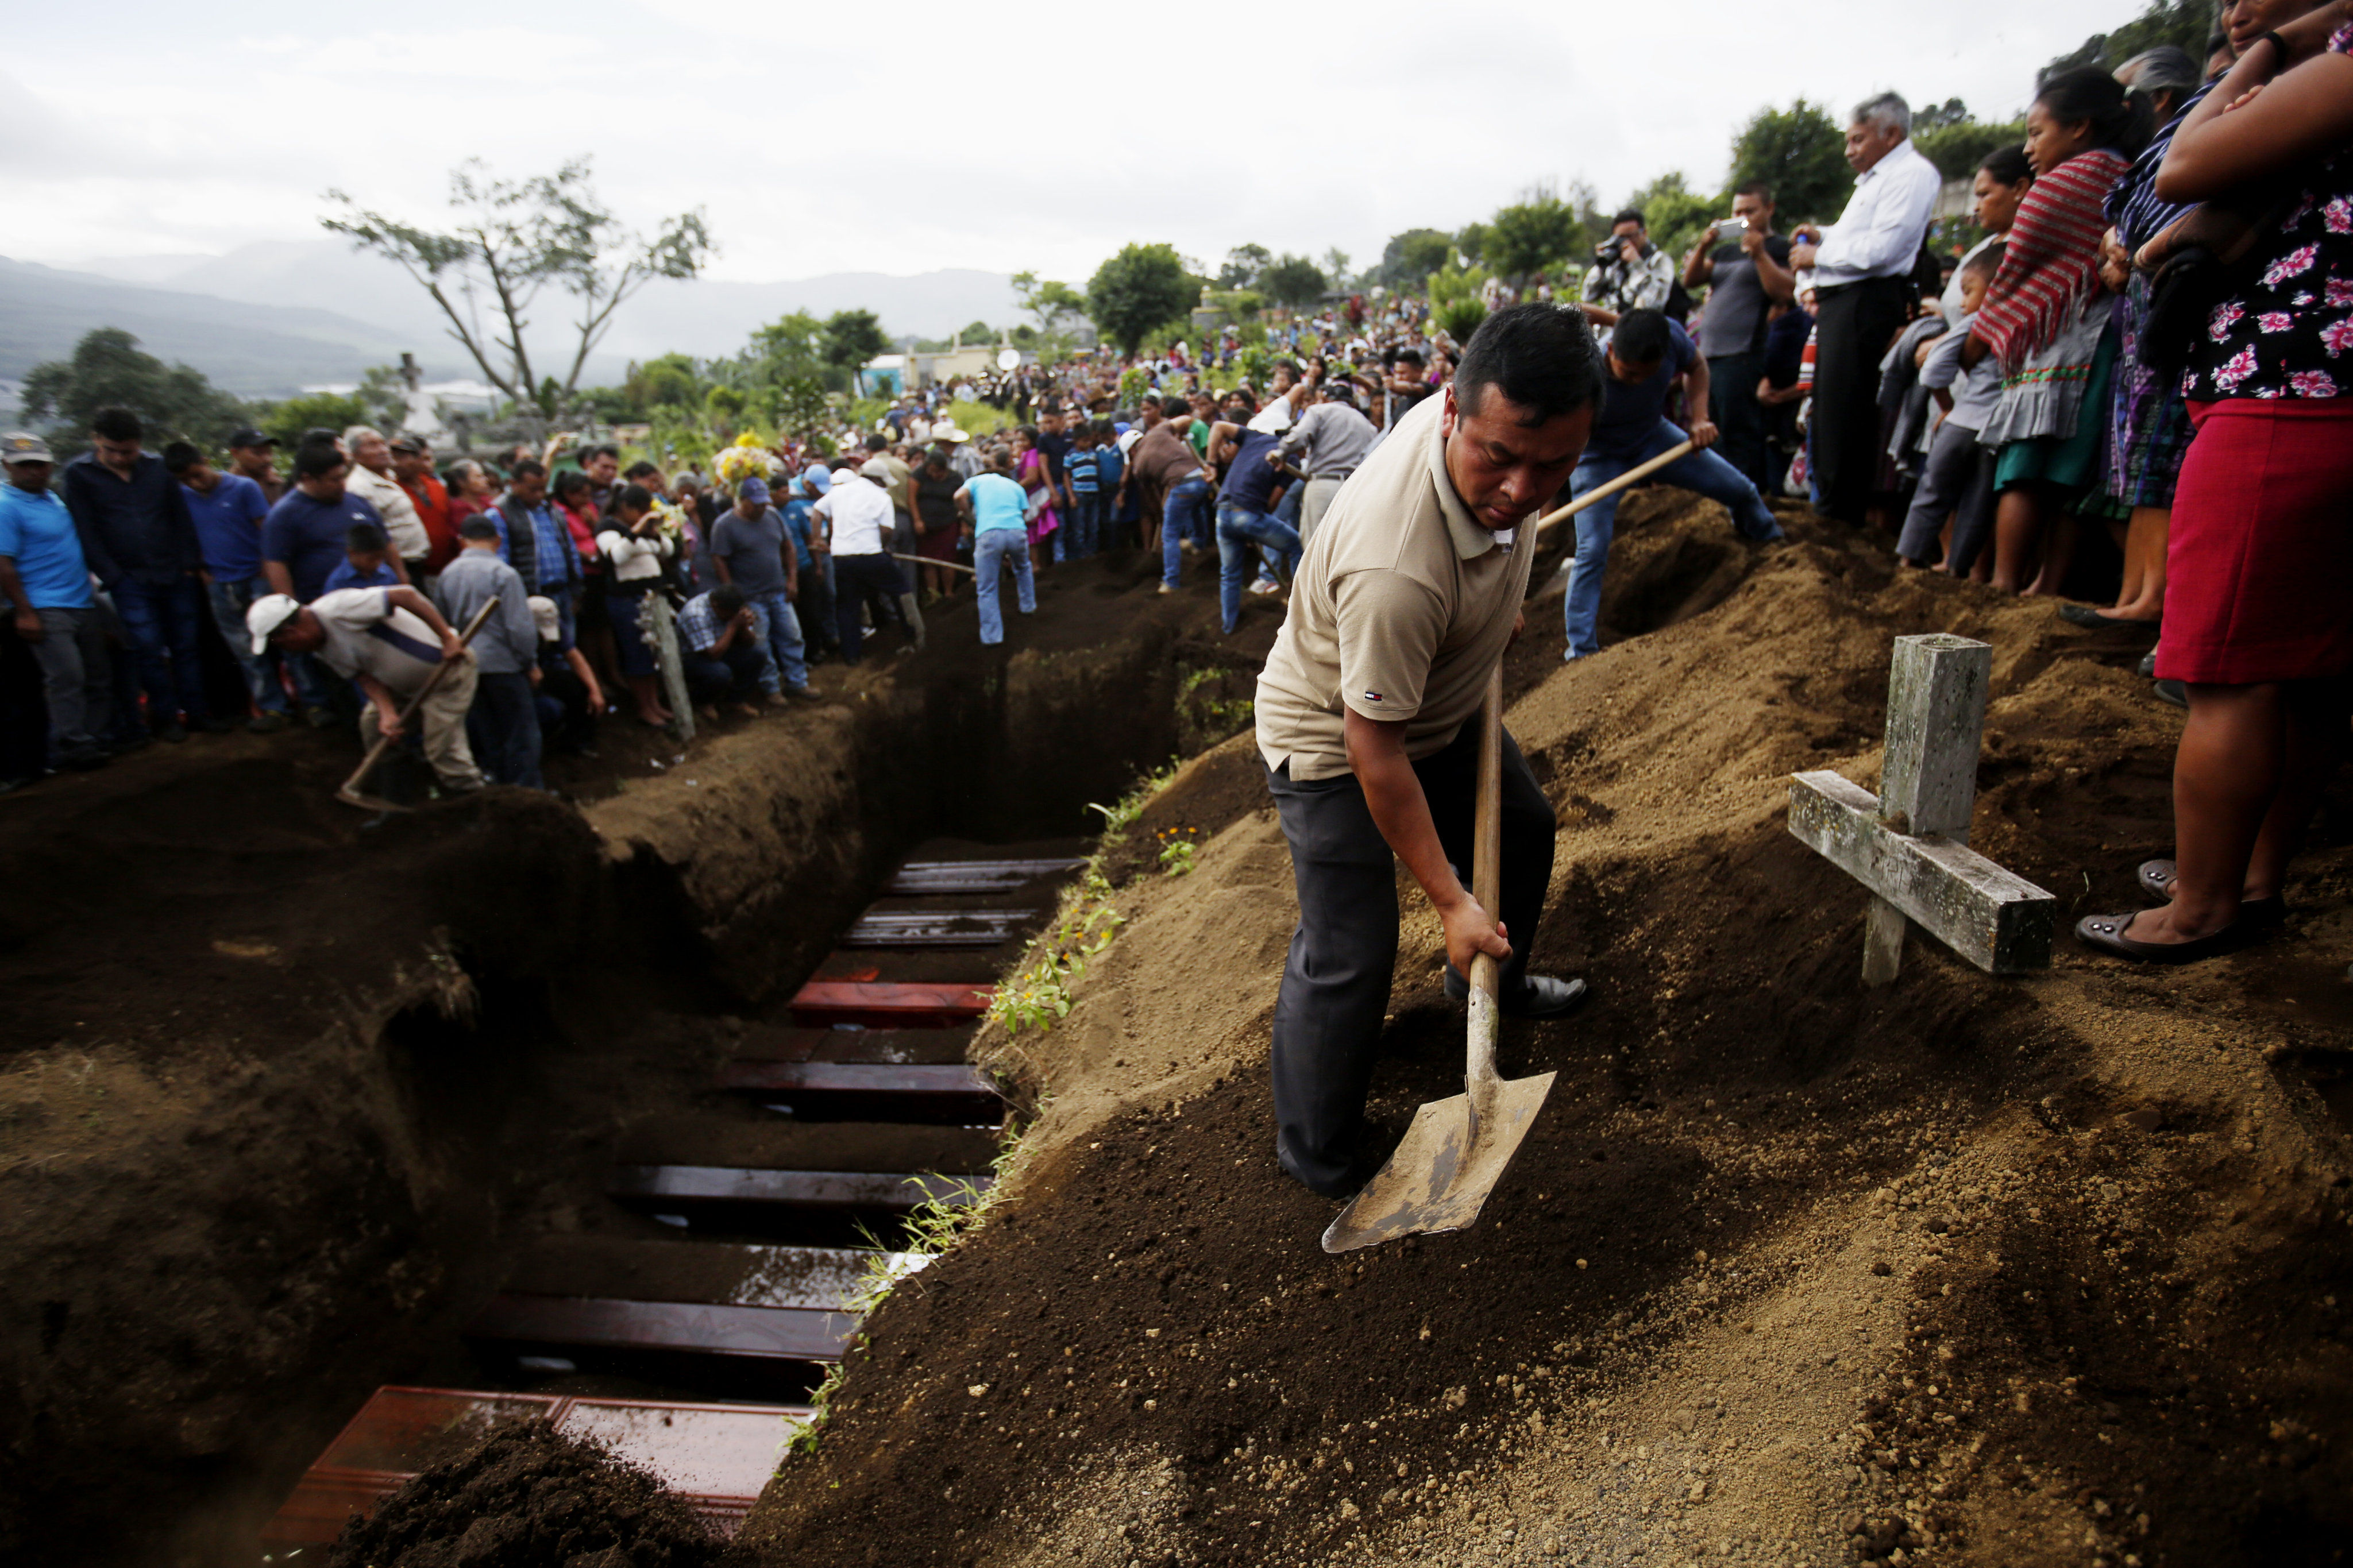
2152 340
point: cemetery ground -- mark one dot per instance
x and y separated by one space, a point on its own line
2038 1270
2046 1270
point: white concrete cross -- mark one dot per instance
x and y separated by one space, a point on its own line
1910 844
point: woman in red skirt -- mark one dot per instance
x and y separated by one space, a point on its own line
2259 597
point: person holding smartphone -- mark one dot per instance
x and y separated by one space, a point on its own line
1745 267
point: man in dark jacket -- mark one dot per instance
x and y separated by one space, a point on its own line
141 542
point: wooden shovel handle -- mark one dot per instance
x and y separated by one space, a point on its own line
1632 476
384 743
1486 886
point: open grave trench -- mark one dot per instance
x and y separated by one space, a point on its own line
2046 1271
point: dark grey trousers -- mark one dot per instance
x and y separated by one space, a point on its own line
1335 987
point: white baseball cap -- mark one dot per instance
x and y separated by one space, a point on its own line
266 615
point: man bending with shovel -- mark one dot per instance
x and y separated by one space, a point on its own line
1401 611
389 640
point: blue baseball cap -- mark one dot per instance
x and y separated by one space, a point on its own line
752 489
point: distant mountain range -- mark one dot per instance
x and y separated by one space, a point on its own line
273 316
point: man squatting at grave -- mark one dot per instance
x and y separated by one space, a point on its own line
1408 595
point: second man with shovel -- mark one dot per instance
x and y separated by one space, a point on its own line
1401 609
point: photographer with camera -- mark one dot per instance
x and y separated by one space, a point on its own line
1747 268
1628 273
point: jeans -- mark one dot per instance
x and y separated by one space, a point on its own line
1740 419
1336 984
855 577
163 622
743 669
993 550
1703 471
262 671
503 728
1238 527
1085 526
1177 515
776 626
76 671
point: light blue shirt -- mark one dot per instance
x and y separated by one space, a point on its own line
38 533
996 502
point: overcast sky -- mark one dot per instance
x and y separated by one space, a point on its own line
1001 137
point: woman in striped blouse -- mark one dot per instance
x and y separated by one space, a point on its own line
2045 320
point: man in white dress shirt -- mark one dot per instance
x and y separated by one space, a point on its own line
1863 282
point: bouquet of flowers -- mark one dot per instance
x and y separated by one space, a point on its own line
747 459
668 520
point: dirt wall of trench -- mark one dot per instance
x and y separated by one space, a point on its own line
277 1083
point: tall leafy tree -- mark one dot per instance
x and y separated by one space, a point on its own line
1410 257
1142 288
1801 153
110 369
1052 302
853 337
1530 236
1293 280
2185 24
1245 265
510 242
1674 213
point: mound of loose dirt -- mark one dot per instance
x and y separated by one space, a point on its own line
2035 1271
529 1496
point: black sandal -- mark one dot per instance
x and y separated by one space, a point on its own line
2157 878
2107 933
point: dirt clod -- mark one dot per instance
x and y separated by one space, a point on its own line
529 1496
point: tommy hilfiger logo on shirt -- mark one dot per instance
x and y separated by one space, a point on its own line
1372 697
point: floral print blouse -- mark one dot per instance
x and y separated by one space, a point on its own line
2289 333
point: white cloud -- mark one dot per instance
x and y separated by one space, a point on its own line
1043 136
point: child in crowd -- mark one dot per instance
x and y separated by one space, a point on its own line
1082 473
1111 467
1956 482
364 566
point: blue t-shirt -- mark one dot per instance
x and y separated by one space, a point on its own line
1110 464
796 523
349 577
228 526
1083 468
36 532
1631 410
996 502
307 536
1249 475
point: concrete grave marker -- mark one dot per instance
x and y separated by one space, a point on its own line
1909 845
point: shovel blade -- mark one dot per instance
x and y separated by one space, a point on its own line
1441 1175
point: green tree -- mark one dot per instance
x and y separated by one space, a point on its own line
514 240
1454 301
670 381
312 411
853 337
1337 265
110 369
978 333
1142 288
2186 23
1245 265
1529 237
796 403
789 345
1293 280
1800 154
1410 257
1472 241
1051 302
1674 214
1956 147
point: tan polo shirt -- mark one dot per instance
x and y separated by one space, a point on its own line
1401 608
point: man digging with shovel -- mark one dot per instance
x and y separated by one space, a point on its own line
390 640
1399 614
